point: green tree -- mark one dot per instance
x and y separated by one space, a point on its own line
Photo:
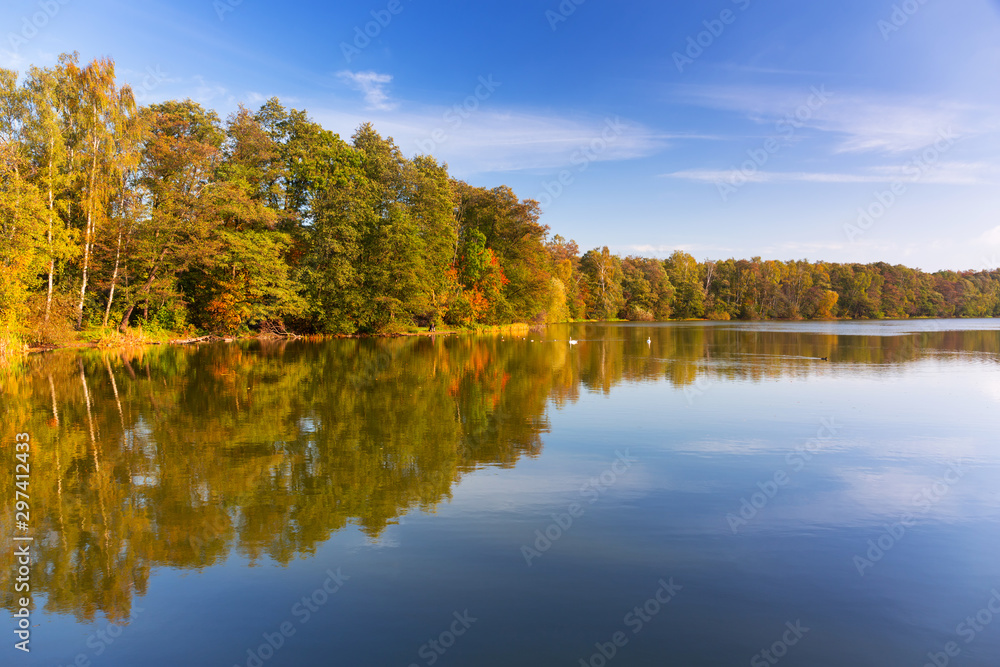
603 273
512 231
332 271
392 261
432 206
22 210
47 94
637 293
689 295
246 282
181 152
564 265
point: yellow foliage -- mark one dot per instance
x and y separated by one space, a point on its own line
824 311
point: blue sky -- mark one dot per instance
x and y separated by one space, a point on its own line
855 130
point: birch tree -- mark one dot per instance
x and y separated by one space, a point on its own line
46 90
101 109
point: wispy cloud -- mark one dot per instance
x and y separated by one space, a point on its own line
945 173
729 175
505 140
825 250
12 60
803 249
21 61
664 250
490 139
895 127
863 122
753 69
372 85
991 237
209 93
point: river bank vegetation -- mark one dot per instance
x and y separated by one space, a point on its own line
115 215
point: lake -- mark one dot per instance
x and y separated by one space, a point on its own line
668 494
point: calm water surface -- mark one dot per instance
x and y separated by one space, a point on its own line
716 496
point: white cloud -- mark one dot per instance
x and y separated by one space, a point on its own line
803 248
209 94
372 85
22 61
504 140
864 122
944 173
991 237
731 175
783 251
12 60
650 250
893 127
484 139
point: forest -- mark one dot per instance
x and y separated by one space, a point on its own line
115 215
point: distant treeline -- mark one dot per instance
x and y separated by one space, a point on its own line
114 214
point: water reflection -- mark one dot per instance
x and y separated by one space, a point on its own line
181 457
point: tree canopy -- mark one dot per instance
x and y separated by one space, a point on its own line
166 216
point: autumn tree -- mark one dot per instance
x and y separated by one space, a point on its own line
246 281
181 151
433 204
392 261
647 289
22 210
689 295
46 138
102 110
603 273
564 265
512 231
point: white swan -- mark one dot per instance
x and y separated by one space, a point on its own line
573 342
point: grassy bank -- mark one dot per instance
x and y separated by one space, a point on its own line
11 349
504 329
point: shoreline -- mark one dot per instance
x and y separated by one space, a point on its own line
126 341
